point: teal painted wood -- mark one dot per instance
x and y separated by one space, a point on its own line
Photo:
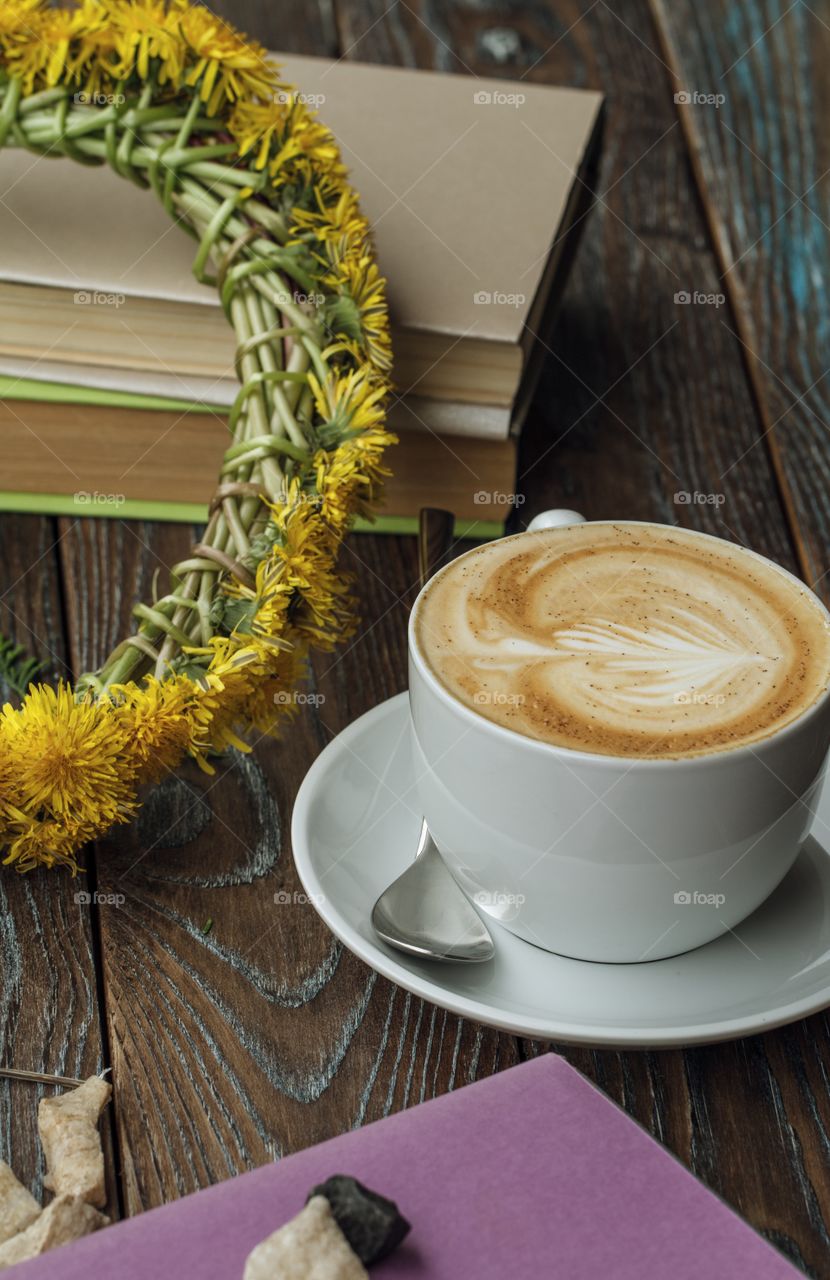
764 157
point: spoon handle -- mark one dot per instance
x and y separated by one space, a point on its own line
435 539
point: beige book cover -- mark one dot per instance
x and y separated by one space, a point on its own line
466 182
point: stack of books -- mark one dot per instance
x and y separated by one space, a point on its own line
116 366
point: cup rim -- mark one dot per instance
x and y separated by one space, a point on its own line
574 754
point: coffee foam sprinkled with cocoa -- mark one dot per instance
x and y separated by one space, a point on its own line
626 639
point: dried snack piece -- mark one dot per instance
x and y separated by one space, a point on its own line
309 1247
372 1224
68 1127
66 1218
18 1207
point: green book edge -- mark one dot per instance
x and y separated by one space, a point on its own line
63 504
12 388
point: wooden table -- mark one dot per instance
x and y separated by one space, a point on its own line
263 1035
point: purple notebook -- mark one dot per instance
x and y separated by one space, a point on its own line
532 1172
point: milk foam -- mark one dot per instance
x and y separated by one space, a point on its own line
626 639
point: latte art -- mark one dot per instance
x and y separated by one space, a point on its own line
626 639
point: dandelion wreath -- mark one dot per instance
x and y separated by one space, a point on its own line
175 99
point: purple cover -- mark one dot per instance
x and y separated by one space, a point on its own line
530 1172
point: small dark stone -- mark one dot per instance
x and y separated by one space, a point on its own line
371 1223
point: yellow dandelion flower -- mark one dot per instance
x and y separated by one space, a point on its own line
360 317
160 722
321 615
304 548
312 142
10 815
299 148
327 617
335 212
66 758
43 49
333 226
272 701
260 126
338 490
262 609
50 842
271 601
16 18
228 683
146 36
226 65
231 656
364 454
349 479
349 402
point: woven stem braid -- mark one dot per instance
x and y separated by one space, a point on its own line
178 153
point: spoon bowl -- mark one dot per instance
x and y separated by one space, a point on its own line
425 913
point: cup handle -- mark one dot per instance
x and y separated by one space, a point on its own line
555 519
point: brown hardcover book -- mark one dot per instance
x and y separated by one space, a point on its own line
103 458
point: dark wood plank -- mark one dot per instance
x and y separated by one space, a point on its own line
763 160
49 1010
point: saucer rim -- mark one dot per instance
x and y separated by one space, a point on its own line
382 959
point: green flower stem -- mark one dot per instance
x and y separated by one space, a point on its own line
10 108
34 101
188 122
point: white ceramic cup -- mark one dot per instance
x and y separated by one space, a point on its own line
607 858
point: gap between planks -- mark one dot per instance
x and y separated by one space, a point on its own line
733 287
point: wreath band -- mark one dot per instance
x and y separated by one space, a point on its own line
173 99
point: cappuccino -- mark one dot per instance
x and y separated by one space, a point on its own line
626 639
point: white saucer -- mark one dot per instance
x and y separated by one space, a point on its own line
355 828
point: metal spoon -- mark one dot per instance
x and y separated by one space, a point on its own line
424 912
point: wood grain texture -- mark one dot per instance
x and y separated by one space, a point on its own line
764 161
49 1004
260 1035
